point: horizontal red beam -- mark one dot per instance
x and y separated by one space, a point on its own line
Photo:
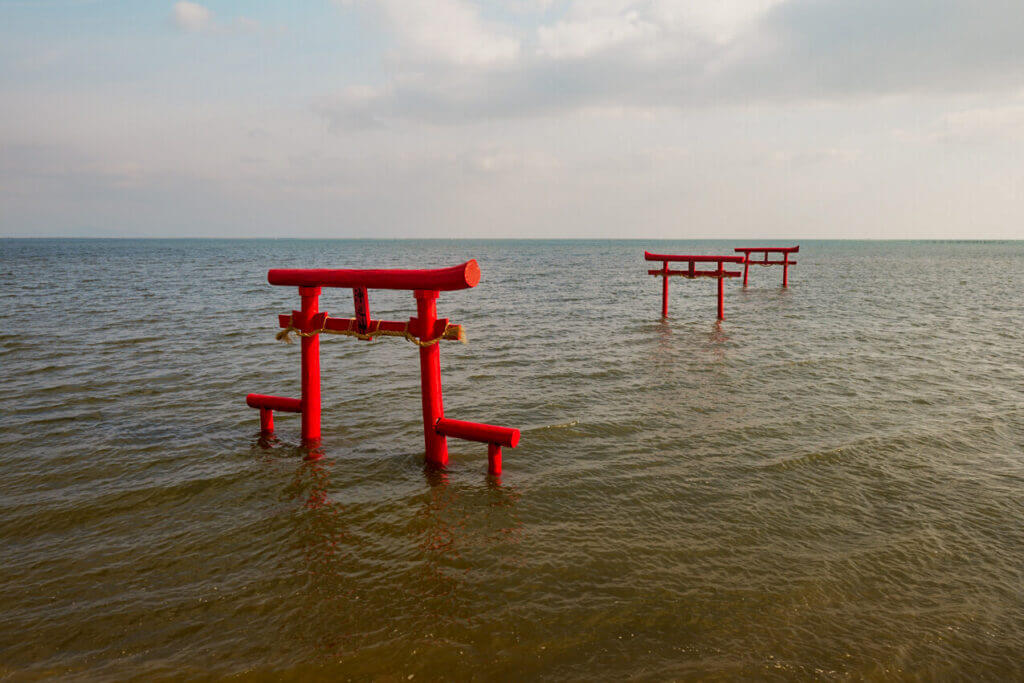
696 259
475 431
772 263
697 273
286 405
441 279
451 332
780 250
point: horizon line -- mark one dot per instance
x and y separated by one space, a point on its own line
532 239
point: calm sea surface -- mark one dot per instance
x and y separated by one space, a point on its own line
829 483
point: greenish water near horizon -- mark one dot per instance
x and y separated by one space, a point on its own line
827 484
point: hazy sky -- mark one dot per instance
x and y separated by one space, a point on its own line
513 118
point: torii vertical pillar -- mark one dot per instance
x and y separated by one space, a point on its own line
785 269
266 422
664 290
310 371
430 378
721 291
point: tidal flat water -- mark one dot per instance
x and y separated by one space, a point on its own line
828 484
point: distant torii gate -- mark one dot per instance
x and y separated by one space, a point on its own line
785 262
425 330
691 272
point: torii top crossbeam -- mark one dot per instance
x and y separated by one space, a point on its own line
785 262
438 279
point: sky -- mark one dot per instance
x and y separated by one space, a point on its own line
782 119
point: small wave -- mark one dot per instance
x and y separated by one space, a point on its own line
807 459
560 425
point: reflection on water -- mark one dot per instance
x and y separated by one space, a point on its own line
825 484
717 341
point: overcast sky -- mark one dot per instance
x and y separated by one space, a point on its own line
513 118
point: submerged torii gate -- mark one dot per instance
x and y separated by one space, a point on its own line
691 272
425 330
785 262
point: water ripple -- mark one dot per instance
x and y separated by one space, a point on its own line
825 485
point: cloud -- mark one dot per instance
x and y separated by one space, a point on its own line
443 31
353 107
530 118
815 157
194 18
997 125
448 65
993 123
191 17
654 28
838 47
578 38
248 25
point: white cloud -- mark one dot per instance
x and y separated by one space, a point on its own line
248 25
534 118
813 157
999 123
452 61
655 26
720 22
447 31
352 107
977 125
190 16
499 159
575 39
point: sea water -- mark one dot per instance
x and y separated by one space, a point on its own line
829 482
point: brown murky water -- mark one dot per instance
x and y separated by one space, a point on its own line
830 483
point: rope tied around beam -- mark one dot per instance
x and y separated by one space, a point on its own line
285 334
713 276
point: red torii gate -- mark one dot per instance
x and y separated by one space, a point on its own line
785 262
425 330
691 272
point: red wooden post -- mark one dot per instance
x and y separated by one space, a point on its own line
430 378
362 305
664 290
272 403
267 405
310 373
785 269
746 267
495 437
493 458
721 291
